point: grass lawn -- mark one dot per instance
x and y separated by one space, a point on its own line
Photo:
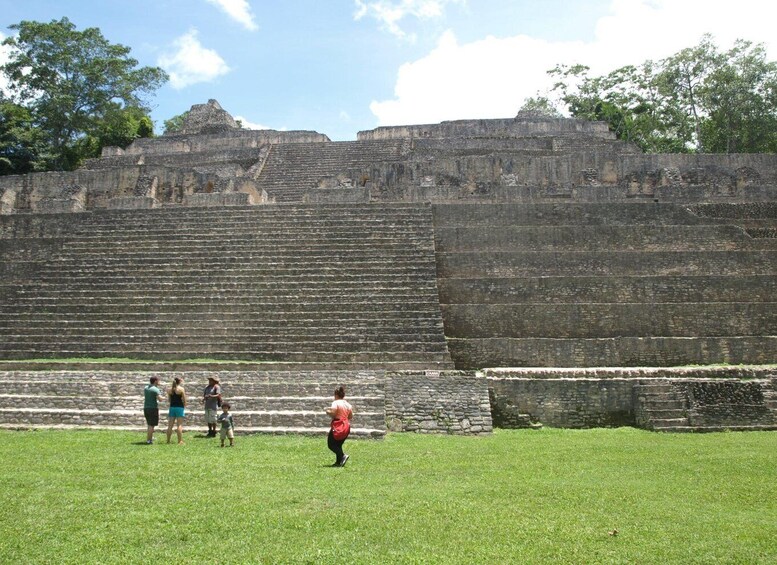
548 496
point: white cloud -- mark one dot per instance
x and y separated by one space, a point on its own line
491 77
238 10
191 63
250 125
390 12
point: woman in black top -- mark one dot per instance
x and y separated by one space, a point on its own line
177 412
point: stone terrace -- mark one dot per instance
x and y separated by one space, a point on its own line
581 285
273 402
318 286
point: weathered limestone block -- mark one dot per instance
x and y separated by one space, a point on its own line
146 185
72 198
132 203
205 199
345 194
207 118
437 402
8 202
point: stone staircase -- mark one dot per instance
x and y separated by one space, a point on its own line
706 405
317 285
272 402
610 284
660 406
292 169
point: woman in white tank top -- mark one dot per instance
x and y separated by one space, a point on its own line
341 412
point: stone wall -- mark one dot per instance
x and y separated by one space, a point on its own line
34 192
433 402
587 398
511 127
593 174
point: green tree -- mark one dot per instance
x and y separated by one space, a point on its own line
72 81
121 126
740 98
541 105
175 124
20 144
699 99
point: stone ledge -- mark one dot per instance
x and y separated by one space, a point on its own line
202 199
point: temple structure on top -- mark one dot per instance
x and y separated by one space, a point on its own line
212 161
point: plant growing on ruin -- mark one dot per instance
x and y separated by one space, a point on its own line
174 124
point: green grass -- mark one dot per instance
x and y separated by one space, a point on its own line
549 496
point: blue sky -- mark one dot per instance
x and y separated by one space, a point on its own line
341 66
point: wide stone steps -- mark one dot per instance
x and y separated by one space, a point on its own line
291 169
204 268
609 289
246 295
228 302
356 432
36 400
315 421
286 247
259 343
236 221
178 230
300 357
200 314
295 280
262 401
92 292
247 217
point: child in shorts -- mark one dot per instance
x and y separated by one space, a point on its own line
227 425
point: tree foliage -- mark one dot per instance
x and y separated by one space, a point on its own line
699 99
20 144
175 124
541 105
80 89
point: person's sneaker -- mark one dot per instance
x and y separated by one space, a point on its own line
149 442
344 461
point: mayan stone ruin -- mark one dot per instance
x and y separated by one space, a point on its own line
454 276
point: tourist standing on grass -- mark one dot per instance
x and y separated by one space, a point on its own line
227 425
211 397
152 394
177 412
341 412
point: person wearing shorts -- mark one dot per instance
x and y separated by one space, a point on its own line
227 425
210 397
151 397
177 411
